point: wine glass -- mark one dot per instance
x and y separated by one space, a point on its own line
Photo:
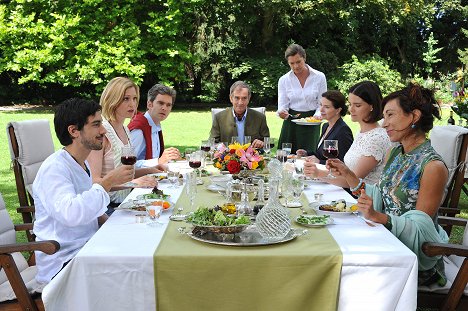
287 147
247 139
266 145
188 151
128 156
330 151
153 209
195 161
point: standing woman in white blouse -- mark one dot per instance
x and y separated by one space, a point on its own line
366 156
299 93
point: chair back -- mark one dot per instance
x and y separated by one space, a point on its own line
30 144
451 142
214 111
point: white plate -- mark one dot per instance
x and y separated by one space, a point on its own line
292 204
159 176
130 206
316 207
214 188
329 222
314 181
297 121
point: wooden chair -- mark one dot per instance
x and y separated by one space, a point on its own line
30 144
214 111
451 142
18 287
454 296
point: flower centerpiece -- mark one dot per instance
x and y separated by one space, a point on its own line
236 157
461 105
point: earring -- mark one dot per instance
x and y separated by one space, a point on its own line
413 126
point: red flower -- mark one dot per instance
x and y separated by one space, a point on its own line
233 167
232 151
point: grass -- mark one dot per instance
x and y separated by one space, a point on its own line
182 129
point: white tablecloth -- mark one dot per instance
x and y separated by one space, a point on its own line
114 270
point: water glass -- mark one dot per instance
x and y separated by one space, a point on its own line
287 147
173 177
266 145
247 139
191 187
281 155
235 139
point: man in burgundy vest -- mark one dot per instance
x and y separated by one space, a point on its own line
145 129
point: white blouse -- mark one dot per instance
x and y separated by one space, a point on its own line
291 95
373 143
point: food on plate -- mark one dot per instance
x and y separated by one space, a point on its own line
165 204
155 195
205 216
310 120
338 206
313 219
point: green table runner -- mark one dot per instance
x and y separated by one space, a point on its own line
298 275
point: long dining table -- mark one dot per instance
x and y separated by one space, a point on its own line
115 269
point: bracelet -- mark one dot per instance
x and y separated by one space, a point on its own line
389 224
357 190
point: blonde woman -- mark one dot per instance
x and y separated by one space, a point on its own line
119 101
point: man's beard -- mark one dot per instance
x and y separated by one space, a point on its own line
92 145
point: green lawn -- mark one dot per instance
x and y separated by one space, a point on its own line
182 129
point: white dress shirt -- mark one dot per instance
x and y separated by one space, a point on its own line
67 207
291 95
139 144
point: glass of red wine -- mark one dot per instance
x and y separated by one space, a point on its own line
128 156
195 160
330 151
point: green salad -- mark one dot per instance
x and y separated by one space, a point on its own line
205 216
155 196
313 219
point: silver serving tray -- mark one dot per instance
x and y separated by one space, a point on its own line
248 237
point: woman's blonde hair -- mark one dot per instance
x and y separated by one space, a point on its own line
113 95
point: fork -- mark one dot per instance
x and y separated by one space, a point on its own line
368 222
294 116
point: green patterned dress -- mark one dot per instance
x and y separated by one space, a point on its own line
399 186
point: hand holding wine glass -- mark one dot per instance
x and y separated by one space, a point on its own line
330 151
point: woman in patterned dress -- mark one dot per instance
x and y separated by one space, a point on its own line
411 187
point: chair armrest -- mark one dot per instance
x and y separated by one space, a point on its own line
26 209
434 249
23 227
48 247
449 211
454 221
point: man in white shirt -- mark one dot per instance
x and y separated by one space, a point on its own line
69 207
299 94
146 132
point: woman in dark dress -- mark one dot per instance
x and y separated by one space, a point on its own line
332 108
